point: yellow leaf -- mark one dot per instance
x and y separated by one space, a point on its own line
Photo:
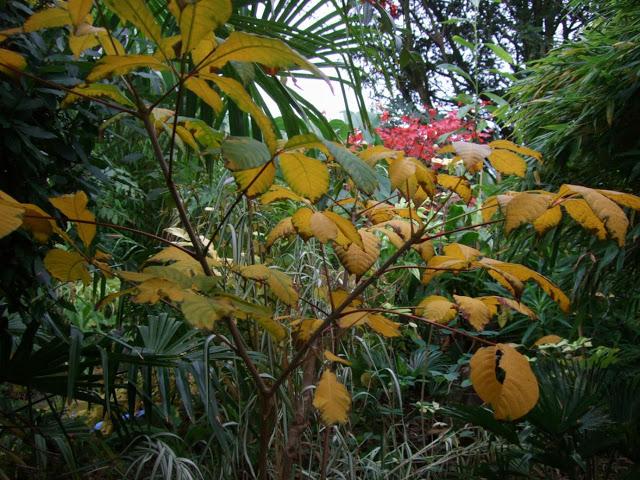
186 136
67 266
111 45
524 274
338 296
78 10
202 50
181 261
74 207
277 192
425 249
321 227
508 163
503 377
169 273
508 281
204 312
374 153
548 220
378 212
306 327
332 399
624 199
441 264
307 176
11 212
137 13
493 301
282 286
460 185
47 18
425 177
272 326
357 260
581 212
301 221
398 231
382 325
400 169
495 202
284 228
96 90
246 47
334 358
152 290
474 311
437 309
245 310
346 230
507 145
260 182
10 62
350 317
305 141
37 221
110 65
548 339
133 276
460 251
169 48
199 18
472 154
243 100
606 210
205 92
524 208
279 282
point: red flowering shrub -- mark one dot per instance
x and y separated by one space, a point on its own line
419 139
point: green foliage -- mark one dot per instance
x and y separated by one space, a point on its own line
579 105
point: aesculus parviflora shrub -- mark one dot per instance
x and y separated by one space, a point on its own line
343 204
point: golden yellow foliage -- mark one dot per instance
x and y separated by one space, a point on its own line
332 399
503 378
307 176
74 207
67 266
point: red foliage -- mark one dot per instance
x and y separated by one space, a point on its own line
418 139
388 5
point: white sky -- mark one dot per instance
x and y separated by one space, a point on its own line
318 93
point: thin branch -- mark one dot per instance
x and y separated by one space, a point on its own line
118 227
299 356
237 201
200 251
422 319
461 229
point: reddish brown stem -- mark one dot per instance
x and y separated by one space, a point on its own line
425 320
118 227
